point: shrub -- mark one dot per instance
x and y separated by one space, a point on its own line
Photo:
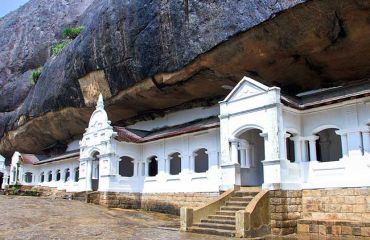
57 48
35 75
72 32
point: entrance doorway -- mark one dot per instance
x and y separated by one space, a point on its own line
251 155
1 180
95 172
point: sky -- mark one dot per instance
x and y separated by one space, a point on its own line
7 6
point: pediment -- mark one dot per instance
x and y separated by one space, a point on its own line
247 87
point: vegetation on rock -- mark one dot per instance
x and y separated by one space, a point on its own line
69 34
57 48
35 75
72 32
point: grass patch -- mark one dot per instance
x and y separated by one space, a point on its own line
35 75
58 47
72 32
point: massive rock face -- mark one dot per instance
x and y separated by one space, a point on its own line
147 57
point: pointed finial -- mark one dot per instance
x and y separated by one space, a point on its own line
100 103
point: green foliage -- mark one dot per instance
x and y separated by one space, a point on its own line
57 48
35 75
72 32
15 189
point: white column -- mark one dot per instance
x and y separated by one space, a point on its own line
312 144
168 164
243 152
140 169
234 151
146 168
191 163
344 142
88 175
135 168
297 148
366 141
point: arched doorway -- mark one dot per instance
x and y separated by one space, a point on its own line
95 172
251 153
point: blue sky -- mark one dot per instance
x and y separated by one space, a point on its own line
7 6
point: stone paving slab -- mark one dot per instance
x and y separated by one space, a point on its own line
42 218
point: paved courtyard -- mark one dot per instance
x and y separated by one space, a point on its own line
41 218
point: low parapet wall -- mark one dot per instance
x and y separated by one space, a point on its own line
159 202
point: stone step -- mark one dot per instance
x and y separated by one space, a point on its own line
236 203
218 221
232 208
241 199
225 213
222 217
216 226
212 231
245 194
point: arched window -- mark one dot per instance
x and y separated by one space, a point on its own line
77 174
152 166
174 163
200 160
42 177
28 177
126 167
67 175
328 146
50 176
57 172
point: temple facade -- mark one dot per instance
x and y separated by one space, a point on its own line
256 136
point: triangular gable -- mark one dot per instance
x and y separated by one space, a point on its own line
247 87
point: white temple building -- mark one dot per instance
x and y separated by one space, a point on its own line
255 137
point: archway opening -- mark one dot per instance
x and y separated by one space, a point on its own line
174 163
289 143
28 177
50 176
77 174
152 166
42 177
95 172
1 179
253 153
328 146
201 162
126 166
57 175
67 175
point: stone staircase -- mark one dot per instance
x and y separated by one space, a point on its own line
223 221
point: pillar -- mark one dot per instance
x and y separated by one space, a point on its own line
344 142
243 153
297 148
312 144
234 151
88 175
140 169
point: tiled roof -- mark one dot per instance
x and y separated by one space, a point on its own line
71 155
132 135
328 96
